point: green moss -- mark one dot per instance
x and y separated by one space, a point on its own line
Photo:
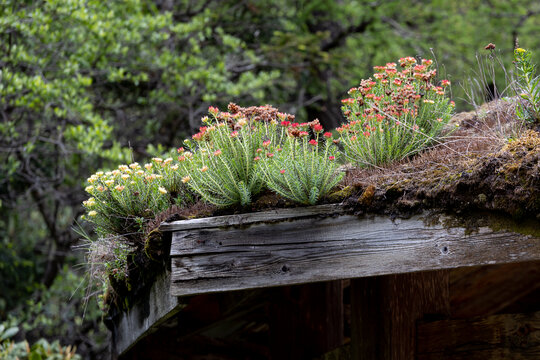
472 221
342 194
500 222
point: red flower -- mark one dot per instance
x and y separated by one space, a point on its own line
180 150
445 82
256 158
217 152
294 125
331 158
269 155
198 136
303 133
282 171
266 143
213 110
317 128
234 134
327 135
313 142
285 123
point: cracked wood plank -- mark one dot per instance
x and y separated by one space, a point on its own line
309 248
250 218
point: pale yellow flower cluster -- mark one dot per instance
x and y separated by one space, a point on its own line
133 180
90 202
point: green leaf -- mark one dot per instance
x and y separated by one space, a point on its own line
8 333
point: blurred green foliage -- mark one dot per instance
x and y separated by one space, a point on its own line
85 85
41 350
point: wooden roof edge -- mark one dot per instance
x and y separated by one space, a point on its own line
312 249
252 218
140 320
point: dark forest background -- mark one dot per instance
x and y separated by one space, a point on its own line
86 85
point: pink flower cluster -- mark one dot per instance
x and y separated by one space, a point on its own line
391 97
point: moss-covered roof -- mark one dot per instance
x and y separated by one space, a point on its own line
477 169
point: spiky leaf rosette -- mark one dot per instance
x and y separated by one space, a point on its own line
394 115
221 161
300 169
528 86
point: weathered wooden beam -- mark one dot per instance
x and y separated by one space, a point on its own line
483 291
250 218
496 337
145 316
226 326
386 309
311 249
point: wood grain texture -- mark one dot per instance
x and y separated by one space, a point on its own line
250 218
386 309
316 249
484 291
145 316
496 337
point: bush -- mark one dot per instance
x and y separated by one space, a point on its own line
301 169
123 200
42 349
221 158
395 115
528 86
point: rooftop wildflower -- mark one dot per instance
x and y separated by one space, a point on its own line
387 107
